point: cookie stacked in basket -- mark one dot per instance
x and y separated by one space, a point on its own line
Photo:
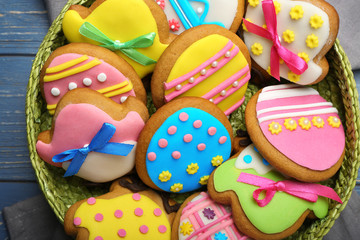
262 184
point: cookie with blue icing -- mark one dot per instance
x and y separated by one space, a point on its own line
182 143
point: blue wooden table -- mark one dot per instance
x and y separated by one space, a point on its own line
23 24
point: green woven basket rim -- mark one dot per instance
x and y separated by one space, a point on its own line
341 73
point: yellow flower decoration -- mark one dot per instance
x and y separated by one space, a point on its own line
334 122
318 122
304 56
304 123
268 70
277 7
192 168
312 41
316 21
244 27
217 161
264 26
293 77
257 49
253 3
288 36
165 176
275 128
177 187
186 228
296 12
290 124
204 180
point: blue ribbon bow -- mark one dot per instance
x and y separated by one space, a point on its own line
100 143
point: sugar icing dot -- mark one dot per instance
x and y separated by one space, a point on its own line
172 130
98 238
203 72
157 212
122 233
178 87
87 82
183 117
192 80
266 163
256 150
176 154
102 77
118 214
163 143
197 124
138 212
144 229
136 196
212 131
151 156
214 64
72 86
247 159
188 138
201 147
123 99
228 54
222 140
99 217
199 10
162 229
77 221
55 92
91 201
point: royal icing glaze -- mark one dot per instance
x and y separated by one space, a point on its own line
190 14
180 166
70 70
294 27
120 218
212 68
283 210
299 115
122 21
250 158
76 125
208 220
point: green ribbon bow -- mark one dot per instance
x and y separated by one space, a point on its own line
128 48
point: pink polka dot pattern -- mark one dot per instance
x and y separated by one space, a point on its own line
99 217
188 138
201 147
91 201
197 124
162 229
157 212
77 221
172 130
212 131
183 117
98 238
118 214
136 196
144 229
163 143
151 156
138 212
222 139
176 155
122 233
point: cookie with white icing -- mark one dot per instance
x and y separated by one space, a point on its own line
92 136
297 131
185 14
294 45
83 65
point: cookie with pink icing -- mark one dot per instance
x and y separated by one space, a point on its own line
185 14
129 211
83 65
297 131
199 217
92 136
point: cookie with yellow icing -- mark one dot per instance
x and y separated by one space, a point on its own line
207 61
128 211
289 38
137 30
83 65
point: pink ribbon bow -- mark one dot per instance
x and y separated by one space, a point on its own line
295 63
306 191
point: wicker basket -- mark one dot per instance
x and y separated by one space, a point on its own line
338 87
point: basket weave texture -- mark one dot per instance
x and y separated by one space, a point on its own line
338 87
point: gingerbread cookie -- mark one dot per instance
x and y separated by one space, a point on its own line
297 131
185 14
92 136
128 211
289 39
264 203
137 30
83 65
181 144
199 217
206 61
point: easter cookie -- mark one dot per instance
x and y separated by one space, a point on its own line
123 213
199 217
297 131
266 205
137 30
289 39
185 14
206 61
181 144
83 65
92 136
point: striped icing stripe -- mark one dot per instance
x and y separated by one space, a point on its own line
286 93
281 108
280 87
66 65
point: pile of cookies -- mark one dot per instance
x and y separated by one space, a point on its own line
261 184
